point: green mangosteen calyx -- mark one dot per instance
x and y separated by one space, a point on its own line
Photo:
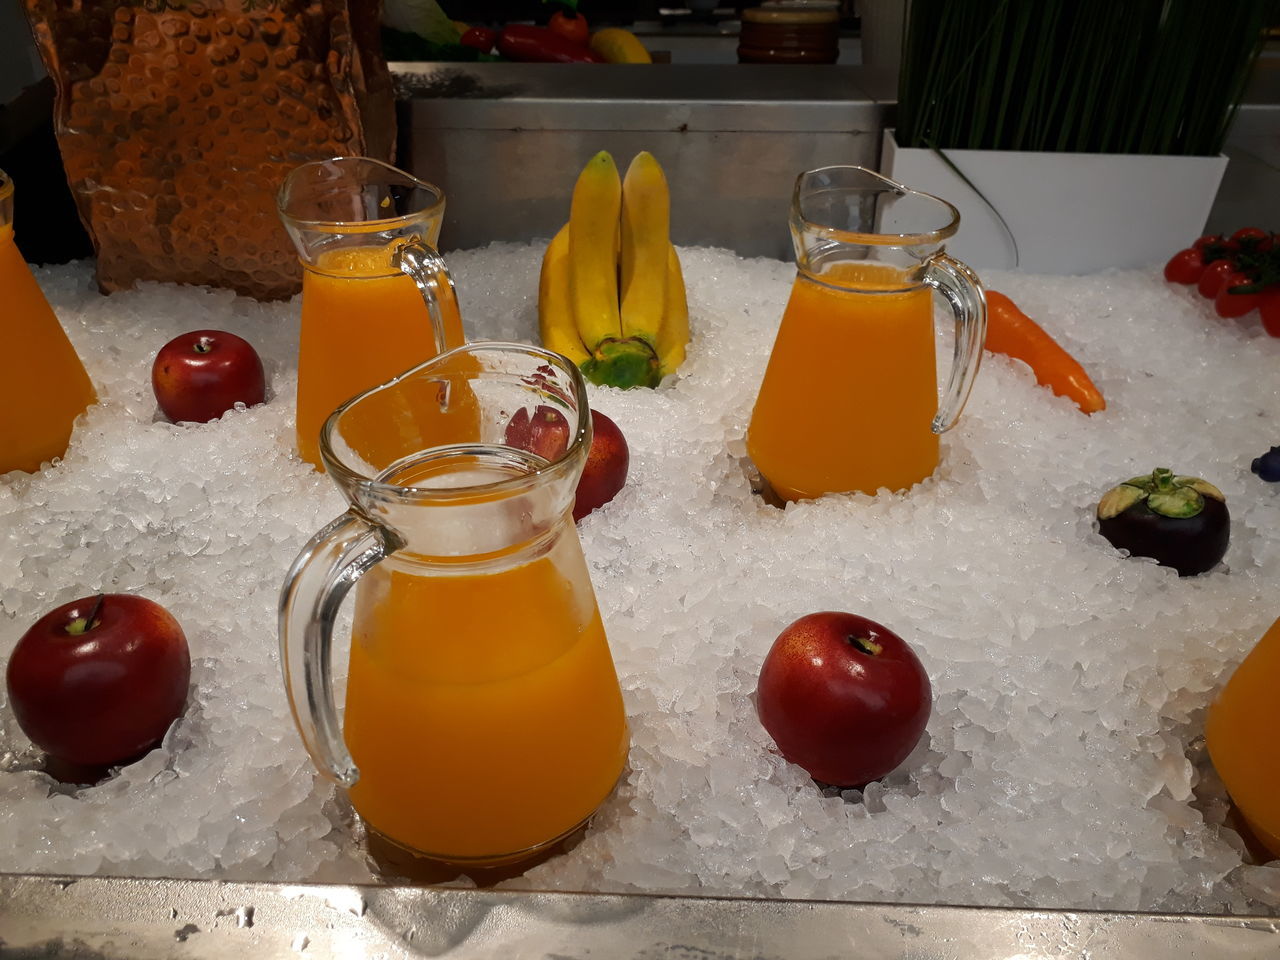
1165 494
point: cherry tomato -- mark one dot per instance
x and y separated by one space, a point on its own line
1185 266
1208 240
571 26
1229 304
1251 238
1269 308
1214 275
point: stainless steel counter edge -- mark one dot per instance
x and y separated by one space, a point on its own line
106 918
617 97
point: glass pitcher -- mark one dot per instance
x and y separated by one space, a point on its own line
43 384
849 400
483 718
376 297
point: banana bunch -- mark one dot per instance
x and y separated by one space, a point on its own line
611 297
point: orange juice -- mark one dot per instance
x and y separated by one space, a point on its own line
419 414
483 709
43 384
850 390
362 324
1240 734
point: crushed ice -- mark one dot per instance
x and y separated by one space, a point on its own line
1063 764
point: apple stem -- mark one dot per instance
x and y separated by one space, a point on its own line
84 624
865 645
202 345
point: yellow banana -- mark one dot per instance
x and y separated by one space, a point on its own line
594 230
593 272
622 334
673 335
646 221
555 314
616 45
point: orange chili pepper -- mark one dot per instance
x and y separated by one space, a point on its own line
1013 333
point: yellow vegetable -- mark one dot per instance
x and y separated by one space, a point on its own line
646 221
619 46
673 335
555 317
621 333
593 227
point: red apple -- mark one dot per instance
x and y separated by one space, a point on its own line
98 681
200 375
546 433
843 697
606 470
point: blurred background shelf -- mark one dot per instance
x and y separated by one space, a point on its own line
505 140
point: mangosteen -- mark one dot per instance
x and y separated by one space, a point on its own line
1180 522
1267 466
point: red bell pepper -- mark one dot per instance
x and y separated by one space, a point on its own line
480 38
529 44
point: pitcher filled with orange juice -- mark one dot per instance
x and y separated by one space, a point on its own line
376 297
849 400
478 660
43 384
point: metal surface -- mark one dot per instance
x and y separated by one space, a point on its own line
106 919
506 141
616 97
1250 190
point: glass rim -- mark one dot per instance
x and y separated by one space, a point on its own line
880 184
575 448
346 226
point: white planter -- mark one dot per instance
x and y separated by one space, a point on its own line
1070 213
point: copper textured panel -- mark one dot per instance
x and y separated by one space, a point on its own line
177 122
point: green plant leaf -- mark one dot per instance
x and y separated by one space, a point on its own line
981 196
423 17
1139 76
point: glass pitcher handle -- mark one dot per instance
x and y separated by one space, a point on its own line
326 569
963 290
427 269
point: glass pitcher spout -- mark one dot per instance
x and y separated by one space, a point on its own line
347 201
841 214
447 435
